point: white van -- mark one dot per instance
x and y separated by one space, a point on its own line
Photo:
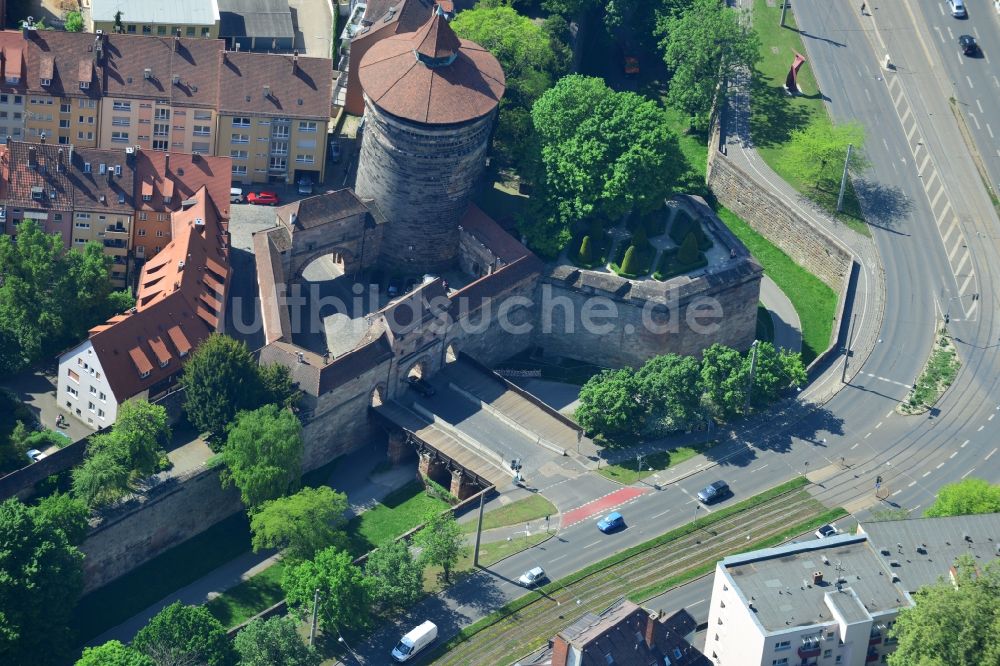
235 195
415 641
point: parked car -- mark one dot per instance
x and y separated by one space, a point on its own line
630 61
305 186
531 577
395 287
415 641
968 45
262 198
611 522
421 386
714 492
957 8
826 531
334 154
34 455
235 195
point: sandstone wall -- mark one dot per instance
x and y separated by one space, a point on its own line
808 245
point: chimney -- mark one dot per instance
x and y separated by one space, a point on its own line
166 162
267 91
32 157
650 630
41 138
817 577
59 161
295 60
176 78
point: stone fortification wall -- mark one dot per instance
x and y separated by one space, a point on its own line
808 245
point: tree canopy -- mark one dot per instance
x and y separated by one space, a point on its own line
603 153
263 454
65 513
442 541
301 524
609 403
40 581
114 653
669 387
817 153
49 296
181 634
965 497
952 623
343 595
272 642
395 580
703 46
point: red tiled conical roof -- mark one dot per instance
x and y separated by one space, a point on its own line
436 39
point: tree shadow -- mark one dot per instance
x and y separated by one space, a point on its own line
885 206
773 116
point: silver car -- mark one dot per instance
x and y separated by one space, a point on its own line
531 577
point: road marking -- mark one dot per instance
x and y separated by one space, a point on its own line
975 120
923 163
757 469
879 425
980 428
958 269
895 493
926 474
961 60
911 484
697 602
996 81
991 416
593 544
979 104
937 196
929 181
559 558
965 284
951 35
661 514
989 129
890 413
964 444
886 144
855 446
954 250
939 466
868 95
969 472
913 129
988 455
868 435
953 454
939 33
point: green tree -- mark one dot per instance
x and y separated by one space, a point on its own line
139 435
585 255
704 46
40 582
776 371
569 9
65 513
219 380
263 455
272 642
343 596
114 653
442 541
276 384
74 22
101 478
395 580
952 623
629 262
603 153
301 524
965 497
669 387
724 380
609 404
817 153
688 252
181 634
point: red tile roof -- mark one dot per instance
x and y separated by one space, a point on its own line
431 76
179 303
185 71
179 176
507 248
59 57
276 85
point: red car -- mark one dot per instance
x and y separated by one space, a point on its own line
263 198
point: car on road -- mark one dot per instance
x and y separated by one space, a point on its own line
421 386
531 577
957 8
415 641
305 186
235 195
35 455
262 198
714 492
611 522
968 45
826 531
334 153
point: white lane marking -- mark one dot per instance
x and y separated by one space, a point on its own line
895 493
975 120
661 514
929 181
697 602
868 435
879 425
980 428
939 33
939 466
890 413
912 129
757 469
996 81
980 105
944 211
868 95
855 446
911 484
954 250
559 558
990 454
961 264
951 35
965 284
953 454
937 196
964 444
990 130
991 416
969 472
593 544
926 474
886 144
923 163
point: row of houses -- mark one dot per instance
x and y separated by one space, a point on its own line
121 198
270 113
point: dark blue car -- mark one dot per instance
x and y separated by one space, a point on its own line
611 522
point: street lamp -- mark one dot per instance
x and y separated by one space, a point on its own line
340 639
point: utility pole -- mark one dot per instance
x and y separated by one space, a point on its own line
843 179
753 370
312 627
479 529
784 6
847 347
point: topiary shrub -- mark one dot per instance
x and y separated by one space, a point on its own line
628 263
688 252
585 254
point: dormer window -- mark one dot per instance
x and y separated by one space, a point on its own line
166 200
147 197
143 375
38 193
86 167
84 85
44 82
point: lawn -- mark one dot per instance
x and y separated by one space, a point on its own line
814 302
250 597
775 114
489 554
399 512
629 472
521 511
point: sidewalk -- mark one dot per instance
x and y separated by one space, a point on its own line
350 476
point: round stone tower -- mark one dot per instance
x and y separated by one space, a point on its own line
430 104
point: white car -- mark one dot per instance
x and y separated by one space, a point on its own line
35 455
957 8
531 577
826 531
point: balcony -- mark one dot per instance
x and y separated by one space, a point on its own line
115 230
875 640
354 22
872 657
809 651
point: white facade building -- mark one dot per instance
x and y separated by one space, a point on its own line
83 388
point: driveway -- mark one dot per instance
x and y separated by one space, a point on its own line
37 390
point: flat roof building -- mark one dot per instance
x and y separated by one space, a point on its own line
194 18
257 25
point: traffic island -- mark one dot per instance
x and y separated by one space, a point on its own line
938 374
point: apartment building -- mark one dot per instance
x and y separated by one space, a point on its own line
270 112
164 181
831 601
274 111
12 85
180 301
161 18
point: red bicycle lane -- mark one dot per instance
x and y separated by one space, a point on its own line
601 505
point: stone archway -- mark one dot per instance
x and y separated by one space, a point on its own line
341 256
450 353
377 398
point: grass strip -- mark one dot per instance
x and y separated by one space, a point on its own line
515 513
397 513
813 300
240 603
646 593
522 602
628 472
939 373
